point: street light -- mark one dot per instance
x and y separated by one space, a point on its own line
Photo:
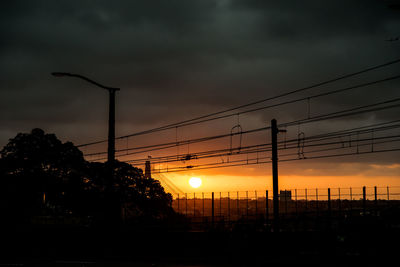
111 112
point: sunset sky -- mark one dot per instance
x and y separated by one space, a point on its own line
176 60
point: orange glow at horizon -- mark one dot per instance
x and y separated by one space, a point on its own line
228 183
254 179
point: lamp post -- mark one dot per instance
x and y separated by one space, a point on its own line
111 203
111 112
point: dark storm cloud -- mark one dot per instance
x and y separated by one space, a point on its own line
177 59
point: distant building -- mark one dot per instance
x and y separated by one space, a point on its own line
285 195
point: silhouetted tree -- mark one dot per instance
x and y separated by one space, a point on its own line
40 175
140 198
146 196
39 172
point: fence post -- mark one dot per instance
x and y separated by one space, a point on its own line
266 206
178 203
247 206
286 204
329 203
255 192
186 206
237 204
220 205
202 194
229 207
376 200
212 208
388 193
305 193
364 199
340 202
316 201
295 197
351 201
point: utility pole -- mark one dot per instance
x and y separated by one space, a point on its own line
275 188
111 127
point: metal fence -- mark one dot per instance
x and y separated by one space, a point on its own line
251 206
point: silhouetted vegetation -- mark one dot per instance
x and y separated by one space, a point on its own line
42 179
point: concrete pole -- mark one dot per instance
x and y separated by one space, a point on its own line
274 137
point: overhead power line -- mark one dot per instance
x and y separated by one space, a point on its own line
291 145
262 160
309 143
178 124
285 102
333 115
266 146
342 133
345 113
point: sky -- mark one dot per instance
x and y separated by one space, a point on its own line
175 60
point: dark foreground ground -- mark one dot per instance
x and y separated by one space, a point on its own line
355 242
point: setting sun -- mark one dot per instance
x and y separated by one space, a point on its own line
195 182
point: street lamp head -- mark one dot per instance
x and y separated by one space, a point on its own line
66 74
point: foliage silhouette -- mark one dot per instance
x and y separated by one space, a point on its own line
41 176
